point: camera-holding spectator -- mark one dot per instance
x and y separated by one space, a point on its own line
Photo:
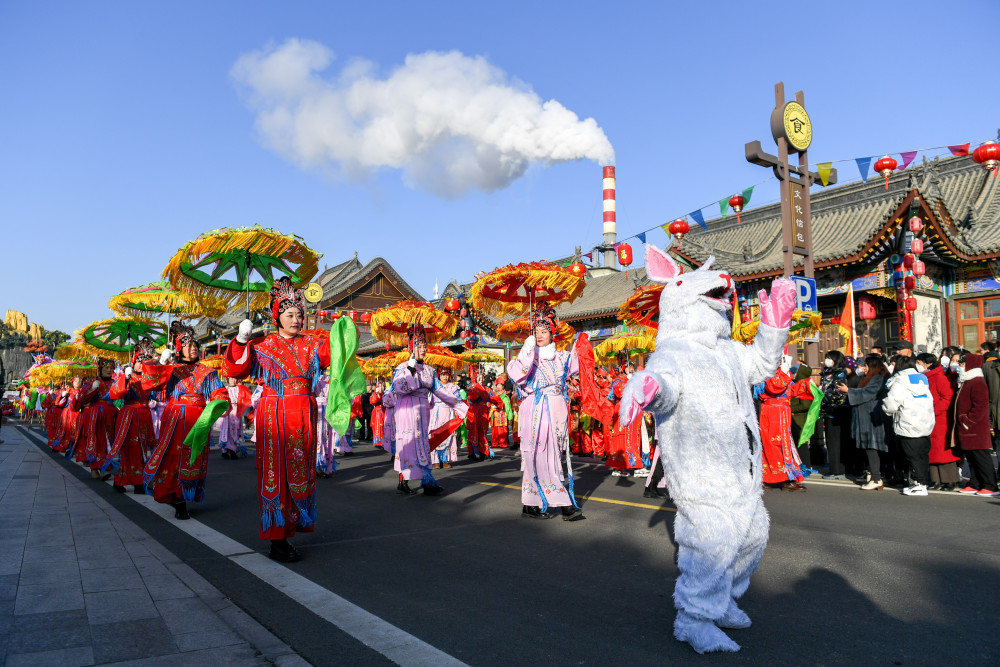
868 420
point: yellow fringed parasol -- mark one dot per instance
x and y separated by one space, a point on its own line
481 355
202 265
804 323
442 357
58 371
71 351
160 298
518 330
392 324
642 309
517 287
632 343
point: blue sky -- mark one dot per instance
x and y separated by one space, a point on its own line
124 135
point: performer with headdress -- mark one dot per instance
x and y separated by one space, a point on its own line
477 421
170 474
98 416
231 423
285 417
69 417
624 446
134 436
378 415
541 371
53 414
441 413
412 384
501 414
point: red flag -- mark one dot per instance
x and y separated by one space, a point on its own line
959 149
847 328
594 403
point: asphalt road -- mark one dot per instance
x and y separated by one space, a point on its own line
848 576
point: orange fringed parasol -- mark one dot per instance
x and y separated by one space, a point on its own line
642 308
517 287
442 357
804 323
392 324
628 342
518 331
481 356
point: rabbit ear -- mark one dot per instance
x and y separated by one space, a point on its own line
660 266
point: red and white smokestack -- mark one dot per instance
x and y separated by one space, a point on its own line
610 223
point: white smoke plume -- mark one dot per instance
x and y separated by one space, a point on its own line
450 122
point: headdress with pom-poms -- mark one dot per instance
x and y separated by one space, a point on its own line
181 334
544 315
417 335
144 350
104 362
285 296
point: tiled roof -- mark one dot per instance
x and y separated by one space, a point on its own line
844 218
341 277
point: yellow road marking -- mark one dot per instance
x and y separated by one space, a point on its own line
598 500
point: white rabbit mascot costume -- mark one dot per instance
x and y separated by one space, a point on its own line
698 386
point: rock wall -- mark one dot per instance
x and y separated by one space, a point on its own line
15 360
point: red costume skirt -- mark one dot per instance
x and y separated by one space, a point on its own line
169 473
133 440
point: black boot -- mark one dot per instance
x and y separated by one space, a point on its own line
139 490
532 512
180 510
653 492
432 489
119 488
571 513
403 488
283 552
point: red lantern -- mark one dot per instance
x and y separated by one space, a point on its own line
909 282
624 254
885 166
918 268
908 260
916 225
452 305
578 269
335 315
679 228
988 155
736 203
916 246
366 317
866 307
353 314
911 304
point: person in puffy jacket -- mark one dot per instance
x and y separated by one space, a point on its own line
943 468
911 406
972 426
836 413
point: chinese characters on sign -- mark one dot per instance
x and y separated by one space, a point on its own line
799 245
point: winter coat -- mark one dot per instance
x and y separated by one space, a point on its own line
800 406
972 407
991 373
910 404
868 424
833 400
942 395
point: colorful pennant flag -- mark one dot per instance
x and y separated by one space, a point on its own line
641 236
589 256
907 159
824 172
746 196
699 218
863 164
666 228
724 207
959 149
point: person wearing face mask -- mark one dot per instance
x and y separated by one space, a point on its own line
949 361
991 373
911 406
836 413
972 426
868 425
942 471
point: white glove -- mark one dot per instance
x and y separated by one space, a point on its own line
530 341
166 356
95 385
243 337
128 372
412 363
65 393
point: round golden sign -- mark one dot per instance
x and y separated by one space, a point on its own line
313 293
798 127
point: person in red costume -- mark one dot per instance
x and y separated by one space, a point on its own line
500 414
625 442
378 414
53 415
476 421
70 421
285 416
781 464
187 385
97 420
134 438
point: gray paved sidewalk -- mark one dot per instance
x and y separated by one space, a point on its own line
82 585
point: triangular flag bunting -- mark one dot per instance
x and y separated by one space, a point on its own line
959 149
724 206
746 196
863 164
666 227
641 236
824 172
907 159
699 218
589 256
